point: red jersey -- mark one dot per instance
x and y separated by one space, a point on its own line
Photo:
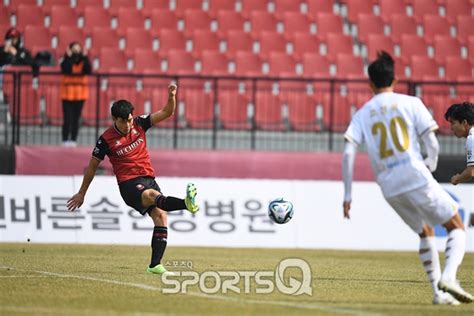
127 152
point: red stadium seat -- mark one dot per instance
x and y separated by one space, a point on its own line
316 6
445 46
401 24
424 7
302 107
458 8
180 62
163 19
216 6
230 20
4 16
388 8
296 22
37 36
315 65
281 65
62 15
146 61
271 42
234 98
137 38
356 7
424 68
196 19
369 24
83 4
150 5
198 98
328 23
29 15
263 21
170 39
412 45
377 42
14 4
464 27
349 66
126 5
214 63
183 5
205 39
48 5
268 109
284 6
470 47
112 60
249 6
247 64
29 111
96 17
338 43
128 17
104 37
458 69
435 25
238 41
304 42
49 90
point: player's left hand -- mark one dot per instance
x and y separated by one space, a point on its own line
172 89
75 202
346 206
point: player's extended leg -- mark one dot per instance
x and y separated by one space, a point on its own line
170 203
158 240
455 248
430 259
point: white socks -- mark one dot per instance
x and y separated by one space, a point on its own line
430 259
455 248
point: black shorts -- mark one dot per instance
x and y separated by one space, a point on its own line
131 192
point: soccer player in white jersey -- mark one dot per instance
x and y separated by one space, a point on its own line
461 117
390 124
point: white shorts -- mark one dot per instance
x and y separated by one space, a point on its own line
430 204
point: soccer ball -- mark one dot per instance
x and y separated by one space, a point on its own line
280 211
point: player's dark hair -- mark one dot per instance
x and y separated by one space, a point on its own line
382 70
460 112
122 109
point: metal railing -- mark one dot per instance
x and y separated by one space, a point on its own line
257 113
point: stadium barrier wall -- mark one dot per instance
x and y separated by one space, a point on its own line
233 214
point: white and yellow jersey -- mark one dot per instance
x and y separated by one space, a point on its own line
390 124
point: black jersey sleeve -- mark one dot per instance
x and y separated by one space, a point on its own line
101 149
144 121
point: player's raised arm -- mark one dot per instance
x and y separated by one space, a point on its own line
168 109
78 198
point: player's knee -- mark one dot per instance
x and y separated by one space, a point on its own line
150 195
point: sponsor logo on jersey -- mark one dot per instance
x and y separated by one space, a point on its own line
130 148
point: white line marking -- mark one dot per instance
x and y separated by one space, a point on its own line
300 305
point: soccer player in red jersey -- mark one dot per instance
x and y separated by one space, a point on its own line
125 145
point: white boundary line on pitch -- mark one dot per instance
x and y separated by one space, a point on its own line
300 305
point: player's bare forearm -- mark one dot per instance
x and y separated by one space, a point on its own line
77 199
168 109
464 176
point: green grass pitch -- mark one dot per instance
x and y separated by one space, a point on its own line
40 279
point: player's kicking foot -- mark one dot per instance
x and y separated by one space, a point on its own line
443 298
453 288
159 269
190 199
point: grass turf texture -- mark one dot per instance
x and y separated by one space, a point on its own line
40 279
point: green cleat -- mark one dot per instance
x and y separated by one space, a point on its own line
190 199
158 269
